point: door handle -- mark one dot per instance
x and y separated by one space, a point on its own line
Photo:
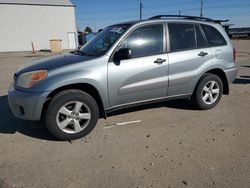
160 61
202 54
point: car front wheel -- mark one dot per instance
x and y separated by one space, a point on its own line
72 114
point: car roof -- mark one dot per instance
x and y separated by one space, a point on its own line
177 18
165 20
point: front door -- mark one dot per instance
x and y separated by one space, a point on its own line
145 75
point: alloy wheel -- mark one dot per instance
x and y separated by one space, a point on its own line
73 117
210 92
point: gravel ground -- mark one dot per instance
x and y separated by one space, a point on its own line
174 145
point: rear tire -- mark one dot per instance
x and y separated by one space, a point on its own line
71 114
208 92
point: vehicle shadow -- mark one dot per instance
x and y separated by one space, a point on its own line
245 66
183 104
245 76
11 125
242 81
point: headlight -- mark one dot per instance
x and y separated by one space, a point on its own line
29 79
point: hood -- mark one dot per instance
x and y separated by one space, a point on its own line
53 62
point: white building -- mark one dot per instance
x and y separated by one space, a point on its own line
37 21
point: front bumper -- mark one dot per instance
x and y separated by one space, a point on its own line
26 105
231 74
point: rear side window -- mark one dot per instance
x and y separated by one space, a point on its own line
214 37
201 41
182 36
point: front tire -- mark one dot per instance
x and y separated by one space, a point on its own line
71 114
208 92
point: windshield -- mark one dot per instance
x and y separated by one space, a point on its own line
102 42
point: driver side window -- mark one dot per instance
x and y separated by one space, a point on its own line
145 41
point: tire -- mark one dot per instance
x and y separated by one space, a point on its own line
208 92
72 114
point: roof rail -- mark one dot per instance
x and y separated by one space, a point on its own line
188 17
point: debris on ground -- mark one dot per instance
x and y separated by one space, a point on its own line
122 123
184 182
155 154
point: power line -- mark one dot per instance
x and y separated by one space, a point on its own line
130 9
211 8
169 4
111 11
217 6
142 7
145 11
109 19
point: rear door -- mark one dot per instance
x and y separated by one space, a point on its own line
189 55
145 75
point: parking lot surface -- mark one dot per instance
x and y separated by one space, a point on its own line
172 144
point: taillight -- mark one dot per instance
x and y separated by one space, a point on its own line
234 55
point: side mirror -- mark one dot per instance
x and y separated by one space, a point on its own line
124 53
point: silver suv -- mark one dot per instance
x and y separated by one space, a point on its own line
125 65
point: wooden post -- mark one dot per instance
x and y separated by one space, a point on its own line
33 48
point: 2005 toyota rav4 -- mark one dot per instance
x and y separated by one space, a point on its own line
127 64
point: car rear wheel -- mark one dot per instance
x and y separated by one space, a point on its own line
208 92
72 114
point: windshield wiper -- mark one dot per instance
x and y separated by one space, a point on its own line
79 52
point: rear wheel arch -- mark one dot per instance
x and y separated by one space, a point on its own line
221 74
88 88
208 91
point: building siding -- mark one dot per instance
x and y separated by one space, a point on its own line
38 2
22 24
